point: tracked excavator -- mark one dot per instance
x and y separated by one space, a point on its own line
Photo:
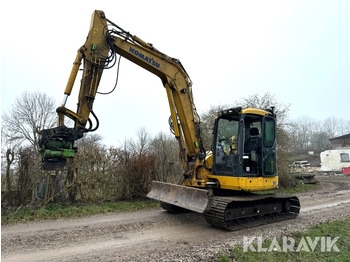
223 184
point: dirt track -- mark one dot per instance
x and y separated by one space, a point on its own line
155 235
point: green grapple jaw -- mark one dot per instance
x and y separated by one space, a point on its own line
56 146
54 154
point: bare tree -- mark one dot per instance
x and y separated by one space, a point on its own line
207 124
335 126
345 126
142 142
313 135
302 131
266 101
88 168
331 126
29 112
9 158
165 148
27 169
320 141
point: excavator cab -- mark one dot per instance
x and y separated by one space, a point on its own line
243 160
244 143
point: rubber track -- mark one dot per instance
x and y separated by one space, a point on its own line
216 213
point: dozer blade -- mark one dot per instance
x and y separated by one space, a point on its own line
190 198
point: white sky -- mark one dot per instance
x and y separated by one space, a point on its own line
297 50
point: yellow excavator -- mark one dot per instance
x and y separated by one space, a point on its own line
218 183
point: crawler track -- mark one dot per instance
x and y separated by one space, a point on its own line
239 212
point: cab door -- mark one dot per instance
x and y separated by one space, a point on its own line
269 147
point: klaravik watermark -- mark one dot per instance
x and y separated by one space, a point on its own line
289 244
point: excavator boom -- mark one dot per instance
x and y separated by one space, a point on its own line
98 53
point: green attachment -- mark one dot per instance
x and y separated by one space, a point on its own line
65 153
54 154
57 149
93 47
196 144
57 145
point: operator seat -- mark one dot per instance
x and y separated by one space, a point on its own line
253 149
253 143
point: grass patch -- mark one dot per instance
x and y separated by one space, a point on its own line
300 187
339 229
56 211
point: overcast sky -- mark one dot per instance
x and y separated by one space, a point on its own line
298 51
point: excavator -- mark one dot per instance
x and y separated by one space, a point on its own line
222 184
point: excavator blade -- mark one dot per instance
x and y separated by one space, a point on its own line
189 198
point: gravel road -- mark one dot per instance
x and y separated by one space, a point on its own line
155 235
